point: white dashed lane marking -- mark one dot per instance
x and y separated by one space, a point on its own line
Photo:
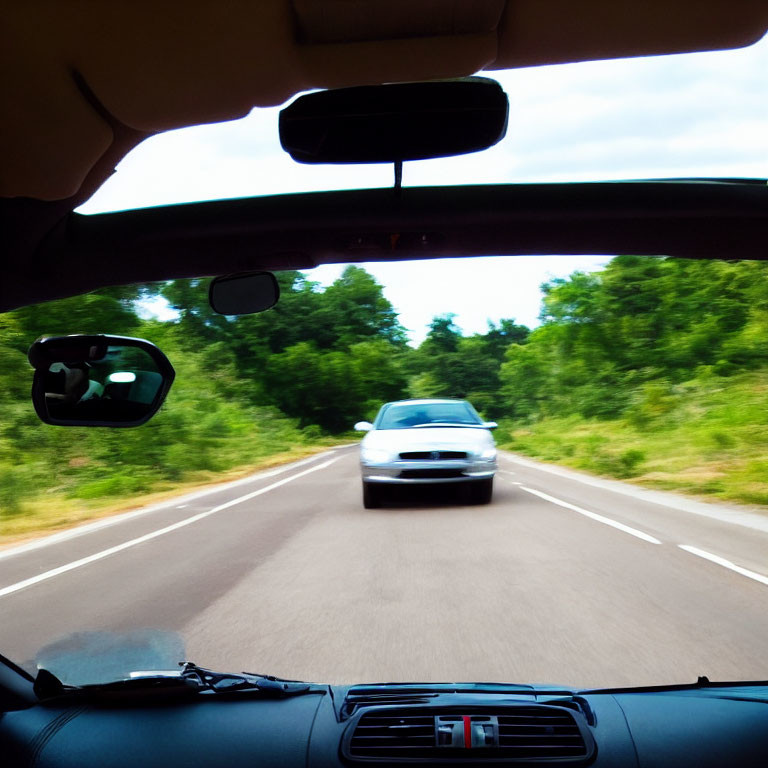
594 516
760 578
725 563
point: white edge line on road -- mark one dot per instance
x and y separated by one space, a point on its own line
594 516
160 532
105 522
745 517
725 563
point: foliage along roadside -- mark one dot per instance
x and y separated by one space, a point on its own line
628 350
54 511
655 370
709 440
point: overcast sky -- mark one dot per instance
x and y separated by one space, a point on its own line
703 114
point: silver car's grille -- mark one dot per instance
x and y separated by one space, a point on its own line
430 474
432 455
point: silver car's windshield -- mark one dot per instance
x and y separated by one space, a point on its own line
407 415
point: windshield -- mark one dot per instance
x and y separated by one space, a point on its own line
404 415
611 531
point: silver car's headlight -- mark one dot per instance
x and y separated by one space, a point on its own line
488 454
374 455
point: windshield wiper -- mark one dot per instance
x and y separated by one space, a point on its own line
225 682
190 680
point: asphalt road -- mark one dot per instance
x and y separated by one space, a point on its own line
561 579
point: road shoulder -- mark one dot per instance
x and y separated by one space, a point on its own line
748 517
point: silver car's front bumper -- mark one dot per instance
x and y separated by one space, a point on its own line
424 472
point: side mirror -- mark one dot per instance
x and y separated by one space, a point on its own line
98 381
490 424
363 426
243 294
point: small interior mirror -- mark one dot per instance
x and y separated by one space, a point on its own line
98 381
363 426
395 122
244 293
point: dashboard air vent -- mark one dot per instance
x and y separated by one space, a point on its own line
513 734
388 734
552 733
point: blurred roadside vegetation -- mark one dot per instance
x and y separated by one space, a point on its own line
711 440
653 369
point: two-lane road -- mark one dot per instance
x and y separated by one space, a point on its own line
563 578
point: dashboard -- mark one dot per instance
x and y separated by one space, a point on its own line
332 726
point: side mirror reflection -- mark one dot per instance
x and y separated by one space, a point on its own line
98 381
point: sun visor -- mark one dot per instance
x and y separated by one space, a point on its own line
84 72
342 21
533 33
90 80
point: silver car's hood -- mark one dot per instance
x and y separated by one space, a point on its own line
430 438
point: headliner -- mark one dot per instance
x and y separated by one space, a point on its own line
91 81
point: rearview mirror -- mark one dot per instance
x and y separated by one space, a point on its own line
395 122
363 426
98 381
243 294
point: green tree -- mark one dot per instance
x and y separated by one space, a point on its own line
316 386
448 364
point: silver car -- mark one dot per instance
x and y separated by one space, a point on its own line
416 442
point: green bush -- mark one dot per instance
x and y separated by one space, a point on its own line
114 486
722 439
311 433
725 368
14 487
630 460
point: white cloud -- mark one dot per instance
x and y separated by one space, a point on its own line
475 290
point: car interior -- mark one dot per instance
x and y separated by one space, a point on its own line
389 82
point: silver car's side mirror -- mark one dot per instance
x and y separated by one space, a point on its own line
363 426
490 424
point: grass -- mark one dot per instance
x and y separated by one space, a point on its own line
710 441
49 512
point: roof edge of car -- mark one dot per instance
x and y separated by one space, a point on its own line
690 218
